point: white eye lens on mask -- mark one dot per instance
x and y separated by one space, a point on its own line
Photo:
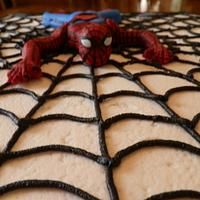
108 41
86 43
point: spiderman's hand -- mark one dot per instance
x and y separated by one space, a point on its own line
158 54
24 71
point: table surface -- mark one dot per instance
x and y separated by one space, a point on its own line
37 6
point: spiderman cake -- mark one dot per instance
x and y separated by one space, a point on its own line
100 105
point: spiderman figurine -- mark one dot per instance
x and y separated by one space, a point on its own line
92 40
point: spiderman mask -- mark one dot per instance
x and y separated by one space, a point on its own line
95 44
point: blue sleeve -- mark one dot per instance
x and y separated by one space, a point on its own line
111 14
57 20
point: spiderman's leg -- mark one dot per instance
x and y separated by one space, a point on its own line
154 50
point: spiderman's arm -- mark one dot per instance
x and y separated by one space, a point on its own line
154 52
29 67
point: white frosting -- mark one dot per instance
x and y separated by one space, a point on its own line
75 69
106 69
67 168
72 105
179 67
52 68
77 84
37 86
44 194
128 132
141 174
8 52
152 83
118 105
114 86
7 129
19 104
197 76
155 170
186 104
192 58
183 33
118 58
60 132
137 68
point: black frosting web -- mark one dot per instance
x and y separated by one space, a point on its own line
8 34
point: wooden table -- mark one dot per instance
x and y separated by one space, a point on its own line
37 6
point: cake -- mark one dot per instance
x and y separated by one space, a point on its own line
128 130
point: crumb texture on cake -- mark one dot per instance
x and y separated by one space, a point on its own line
127 130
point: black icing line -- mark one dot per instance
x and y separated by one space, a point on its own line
10 115
155 118
176 194
8 64
25 184
20 91
196 119
154 143
73 76
48 76
12 56
192 71
14 47
181 89
103 97
5 156
102 141
15 137
109 75
166 73
188 62
4 85
110 184
54 60
179 51
180 44
193 42
63 117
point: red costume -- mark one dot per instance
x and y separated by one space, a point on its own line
94 43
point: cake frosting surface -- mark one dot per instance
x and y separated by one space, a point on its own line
127 130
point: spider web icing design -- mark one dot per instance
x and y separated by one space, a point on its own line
15 30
